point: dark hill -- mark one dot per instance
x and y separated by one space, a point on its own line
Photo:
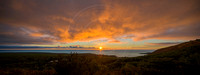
191 44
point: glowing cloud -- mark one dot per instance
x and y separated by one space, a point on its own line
85 21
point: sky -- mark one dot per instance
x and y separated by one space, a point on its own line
111 24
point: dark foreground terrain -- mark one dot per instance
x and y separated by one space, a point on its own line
182 59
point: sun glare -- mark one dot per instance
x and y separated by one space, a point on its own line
100 48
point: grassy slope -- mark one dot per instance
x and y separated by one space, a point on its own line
182 59
179 46
179 59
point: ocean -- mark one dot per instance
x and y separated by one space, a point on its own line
118 53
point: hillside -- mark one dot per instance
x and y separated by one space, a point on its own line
191 44
181 59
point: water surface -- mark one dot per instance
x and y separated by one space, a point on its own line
118 53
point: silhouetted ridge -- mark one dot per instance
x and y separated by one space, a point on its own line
191 44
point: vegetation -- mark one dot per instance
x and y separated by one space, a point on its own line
182 59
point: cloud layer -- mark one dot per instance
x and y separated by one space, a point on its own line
47 22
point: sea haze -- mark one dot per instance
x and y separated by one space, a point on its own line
118 53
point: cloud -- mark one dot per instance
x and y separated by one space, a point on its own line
115 41
147 19
15 35
164 43
62 18
76 20
178 33
36 34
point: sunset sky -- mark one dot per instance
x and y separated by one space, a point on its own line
111 24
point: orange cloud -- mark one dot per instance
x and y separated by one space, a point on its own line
36 34
65 21
147 19
116 41
62 18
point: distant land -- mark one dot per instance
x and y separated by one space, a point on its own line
13 47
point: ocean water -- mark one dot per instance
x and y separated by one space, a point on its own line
118 53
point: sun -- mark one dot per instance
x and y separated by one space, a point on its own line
100 48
